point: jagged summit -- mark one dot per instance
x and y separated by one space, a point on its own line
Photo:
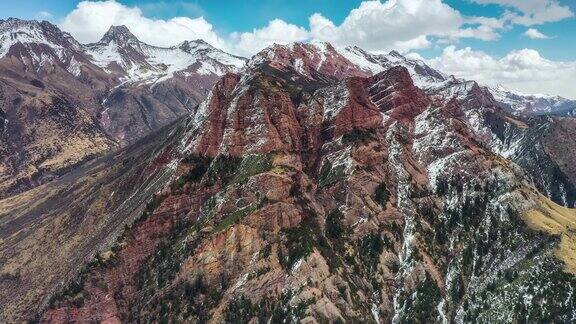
18 31
190 46
533 104
119 34
12 22
396 54
19 27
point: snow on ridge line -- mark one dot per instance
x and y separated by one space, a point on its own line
141 62
161 63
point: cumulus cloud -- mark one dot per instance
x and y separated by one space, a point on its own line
90 20
525 70
535 34
277 31
532 12
402 24
378 26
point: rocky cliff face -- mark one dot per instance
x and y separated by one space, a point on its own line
63 102
330 195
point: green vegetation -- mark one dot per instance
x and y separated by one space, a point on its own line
189 301
358 135
330 175
252 165
334 227
258 273
395 229
265 252
235 217
208 207
370 247
73 293
199 168
224 168
382 195
170 254
268 310
238 170
149 209
549 289
421 306
241 310
299 242
441 187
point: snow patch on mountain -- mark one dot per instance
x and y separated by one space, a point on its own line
33 33
151 64
118 52
537 104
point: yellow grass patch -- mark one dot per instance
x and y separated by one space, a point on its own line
106 255
517 123
556 220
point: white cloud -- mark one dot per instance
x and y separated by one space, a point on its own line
277 31
532 12
525 70
91 19
377 26
535 34
414 56
402 24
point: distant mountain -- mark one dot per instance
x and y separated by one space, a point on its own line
534 104
355 61
155 85
63 102
436 82
120 52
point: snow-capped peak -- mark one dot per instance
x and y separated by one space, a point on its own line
119 52
27 32
122 53
396 55
519 102
121 35
194 45
424 76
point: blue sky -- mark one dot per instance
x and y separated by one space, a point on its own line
463 37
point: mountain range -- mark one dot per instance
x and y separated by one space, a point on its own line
307 183
120 89
65 102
